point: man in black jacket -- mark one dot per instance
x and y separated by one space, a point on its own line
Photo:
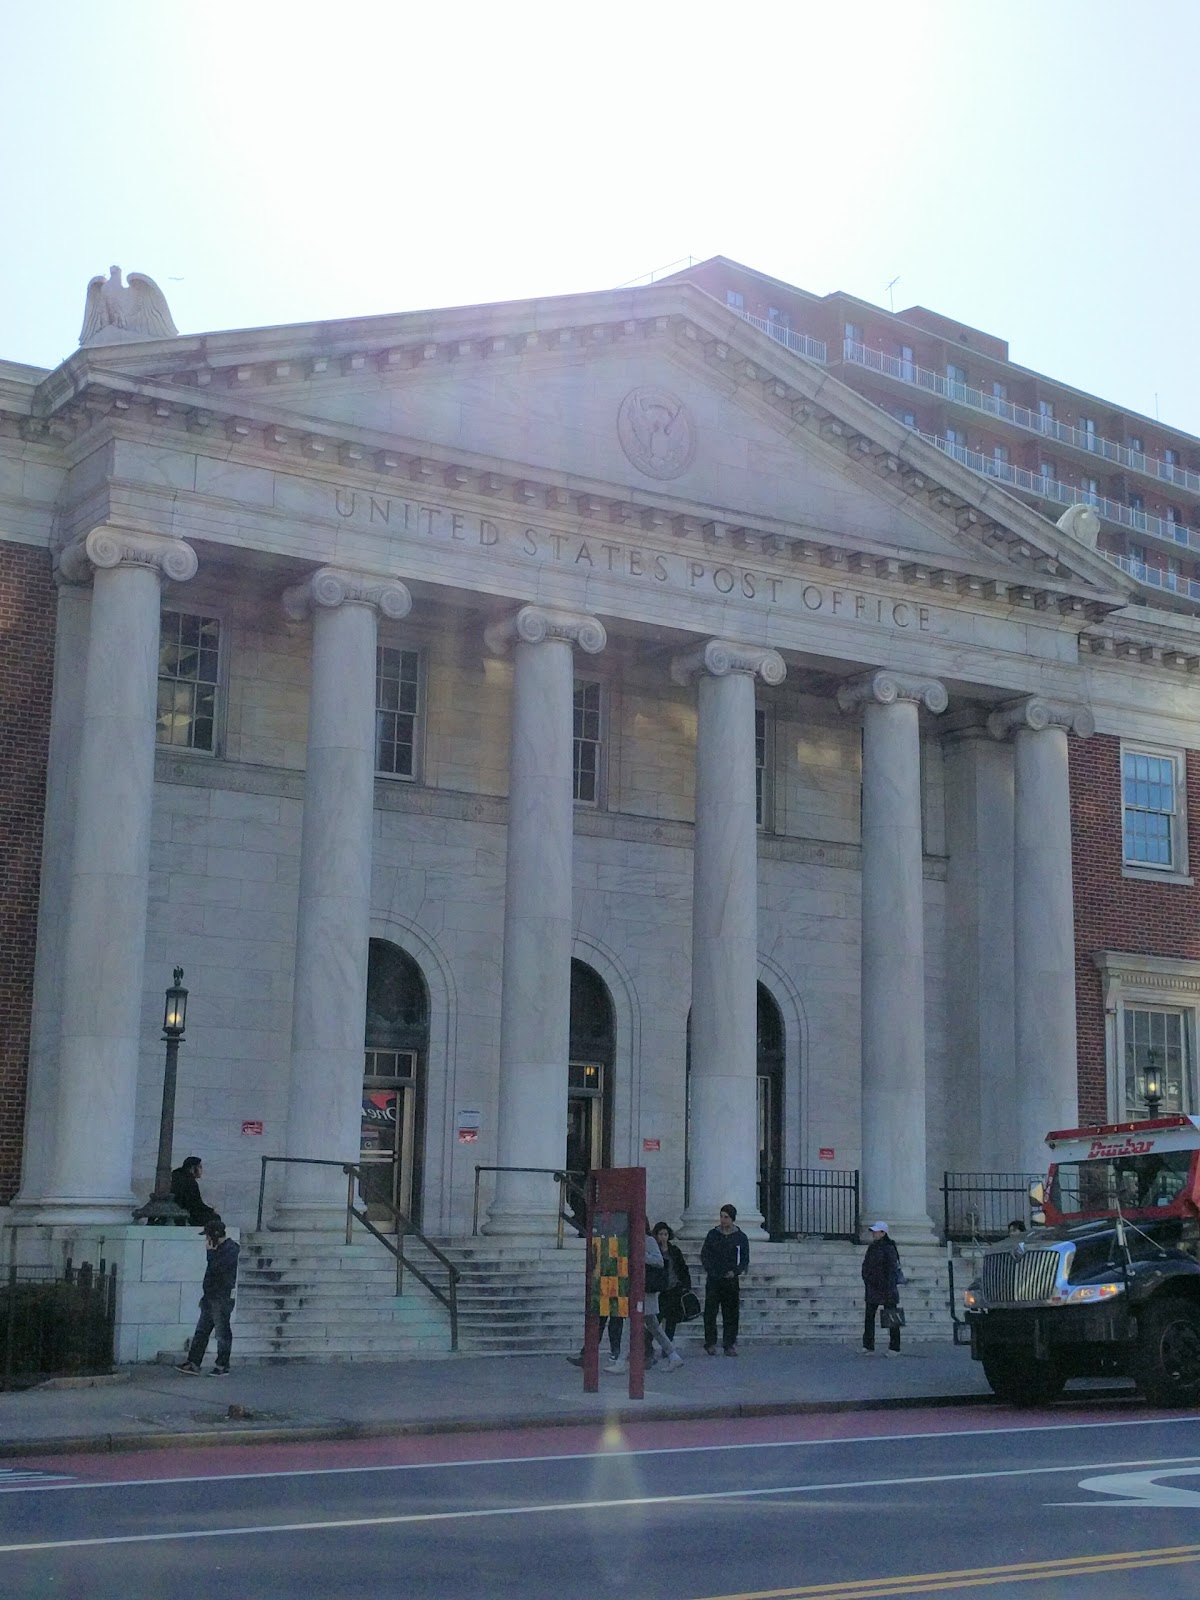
881 1281
216 1303
725 1255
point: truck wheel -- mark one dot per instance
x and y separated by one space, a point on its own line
1023 1381
1167 1360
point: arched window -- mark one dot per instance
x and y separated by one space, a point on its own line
393 1115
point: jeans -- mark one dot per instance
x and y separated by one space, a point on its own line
873 1306
723 1295
215 1311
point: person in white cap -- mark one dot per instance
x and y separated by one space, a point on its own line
881 1280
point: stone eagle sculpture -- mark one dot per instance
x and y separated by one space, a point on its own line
116 313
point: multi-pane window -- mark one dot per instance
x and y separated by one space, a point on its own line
852 333
1046 411
1087 427
760 767
1137 444
1150 800
777 318
1000 454
999 391
956 374
1048 469
188 661
588 747
1156 1041
734 299
397 711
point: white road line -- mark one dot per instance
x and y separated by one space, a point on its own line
575 1506
599 1454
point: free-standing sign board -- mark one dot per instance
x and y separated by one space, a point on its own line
616 1270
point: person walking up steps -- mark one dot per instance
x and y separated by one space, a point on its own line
725 1256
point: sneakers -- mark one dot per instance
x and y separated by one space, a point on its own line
673 1361
865 1352
891 1352
615 1368
731 1350
190 1367
219 1372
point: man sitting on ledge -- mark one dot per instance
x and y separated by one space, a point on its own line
185 1191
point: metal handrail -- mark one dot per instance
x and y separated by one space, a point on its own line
404 1226
1021 416
561 1175
800 344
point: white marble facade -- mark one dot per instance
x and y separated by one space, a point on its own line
632 487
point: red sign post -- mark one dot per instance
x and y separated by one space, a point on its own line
616 1270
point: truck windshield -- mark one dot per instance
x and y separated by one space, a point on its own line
1136 1182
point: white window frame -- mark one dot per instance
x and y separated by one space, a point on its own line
213 614
1134 982
406 647
601 741
1177 872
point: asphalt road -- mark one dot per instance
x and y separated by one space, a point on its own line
1066 1503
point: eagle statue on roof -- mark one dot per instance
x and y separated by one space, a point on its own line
116 313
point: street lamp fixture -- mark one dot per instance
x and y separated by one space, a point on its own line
161 1207
1152 1086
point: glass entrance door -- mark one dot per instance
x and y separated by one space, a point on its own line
386 1143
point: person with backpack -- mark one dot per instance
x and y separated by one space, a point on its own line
656 1282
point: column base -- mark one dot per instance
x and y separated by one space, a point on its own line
696 1222
532 1222
308 1216
901 1230
55 1210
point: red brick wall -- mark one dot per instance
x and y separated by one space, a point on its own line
27 605
1113 912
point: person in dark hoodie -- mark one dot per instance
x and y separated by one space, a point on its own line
881 1281
185 1191
216 1303
725 1255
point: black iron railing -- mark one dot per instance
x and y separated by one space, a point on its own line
977 1206
572 1201
820 1201
405 1229
56 1321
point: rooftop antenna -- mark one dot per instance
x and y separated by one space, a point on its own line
890 287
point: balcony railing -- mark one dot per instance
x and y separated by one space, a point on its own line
1156 577
798 343
992 406
1068 495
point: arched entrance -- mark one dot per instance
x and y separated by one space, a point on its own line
770 1069
393 1100
770 1112
590 1071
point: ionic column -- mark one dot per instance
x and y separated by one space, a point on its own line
893 948
329 995
535 1004
104 941
1045 1092
722 1118
62 765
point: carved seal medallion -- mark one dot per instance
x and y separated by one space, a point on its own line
657 432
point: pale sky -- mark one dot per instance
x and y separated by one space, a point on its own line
1029 166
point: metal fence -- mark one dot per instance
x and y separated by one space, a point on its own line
818 1200
56 1321
980 1205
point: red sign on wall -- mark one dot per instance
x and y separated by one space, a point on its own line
826 1152
252 1127
651 1144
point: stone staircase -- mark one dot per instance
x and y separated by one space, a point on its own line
307 1297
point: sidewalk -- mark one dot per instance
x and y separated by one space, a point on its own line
149 1405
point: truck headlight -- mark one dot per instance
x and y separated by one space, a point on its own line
971 1299
1089 1291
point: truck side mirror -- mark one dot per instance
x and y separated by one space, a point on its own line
1037 1193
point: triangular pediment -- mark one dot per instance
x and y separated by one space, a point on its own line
656 397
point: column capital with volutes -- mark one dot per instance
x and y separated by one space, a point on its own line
108 547
1036 714
330 587
543 624
884 688
716 658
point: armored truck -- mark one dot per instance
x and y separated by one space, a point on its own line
1109 1281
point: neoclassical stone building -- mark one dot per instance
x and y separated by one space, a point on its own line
580 731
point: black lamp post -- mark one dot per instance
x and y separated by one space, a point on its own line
1152 1089
160 1207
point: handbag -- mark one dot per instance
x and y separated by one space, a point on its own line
656 1278
901 1280
891 1316
689 1305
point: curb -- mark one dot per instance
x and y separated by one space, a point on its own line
309 1433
